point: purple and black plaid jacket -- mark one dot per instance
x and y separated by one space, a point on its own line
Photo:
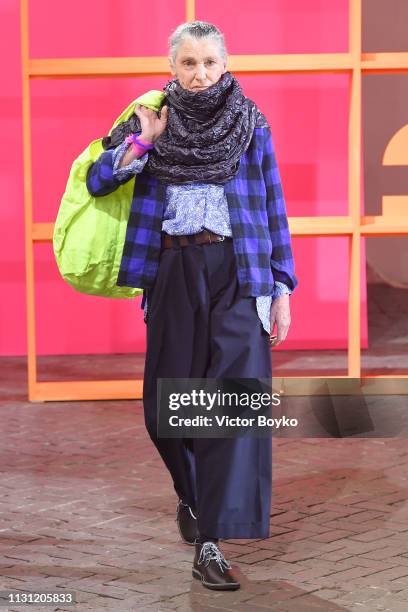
257 212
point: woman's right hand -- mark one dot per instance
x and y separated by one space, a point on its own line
152 125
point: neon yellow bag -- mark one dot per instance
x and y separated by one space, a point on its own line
89 233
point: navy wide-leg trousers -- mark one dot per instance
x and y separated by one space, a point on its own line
198 326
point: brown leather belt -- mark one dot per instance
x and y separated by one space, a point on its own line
204 237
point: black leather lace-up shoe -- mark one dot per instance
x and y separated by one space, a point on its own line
187 523
211 567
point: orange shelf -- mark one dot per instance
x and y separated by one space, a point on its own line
86 390
92 67
354 62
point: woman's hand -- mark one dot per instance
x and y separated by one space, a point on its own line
280 314
152 125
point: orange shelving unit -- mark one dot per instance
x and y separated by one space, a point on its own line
354 226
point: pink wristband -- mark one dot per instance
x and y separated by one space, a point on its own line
142 142
138 150
140 146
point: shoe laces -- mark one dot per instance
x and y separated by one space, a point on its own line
211 552
186 506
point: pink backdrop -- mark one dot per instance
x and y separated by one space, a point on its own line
307 113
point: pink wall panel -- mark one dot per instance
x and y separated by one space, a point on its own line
66 116
72 322
320 310
12 302
308 115
279 26
98 28
312 156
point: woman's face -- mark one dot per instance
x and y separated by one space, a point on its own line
198 63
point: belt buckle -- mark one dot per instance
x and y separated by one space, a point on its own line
219 239
209 235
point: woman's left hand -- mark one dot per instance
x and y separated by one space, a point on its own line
280 315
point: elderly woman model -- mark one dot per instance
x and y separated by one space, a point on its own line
208 241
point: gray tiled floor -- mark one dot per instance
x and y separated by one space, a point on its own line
78 509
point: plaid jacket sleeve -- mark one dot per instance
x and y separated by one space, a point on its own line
282 257
100 179
105 175
134 167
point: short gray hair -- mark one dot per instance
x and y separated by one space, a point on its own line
196 29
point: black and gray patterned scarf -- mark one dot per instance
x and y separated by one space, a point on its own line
206 133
